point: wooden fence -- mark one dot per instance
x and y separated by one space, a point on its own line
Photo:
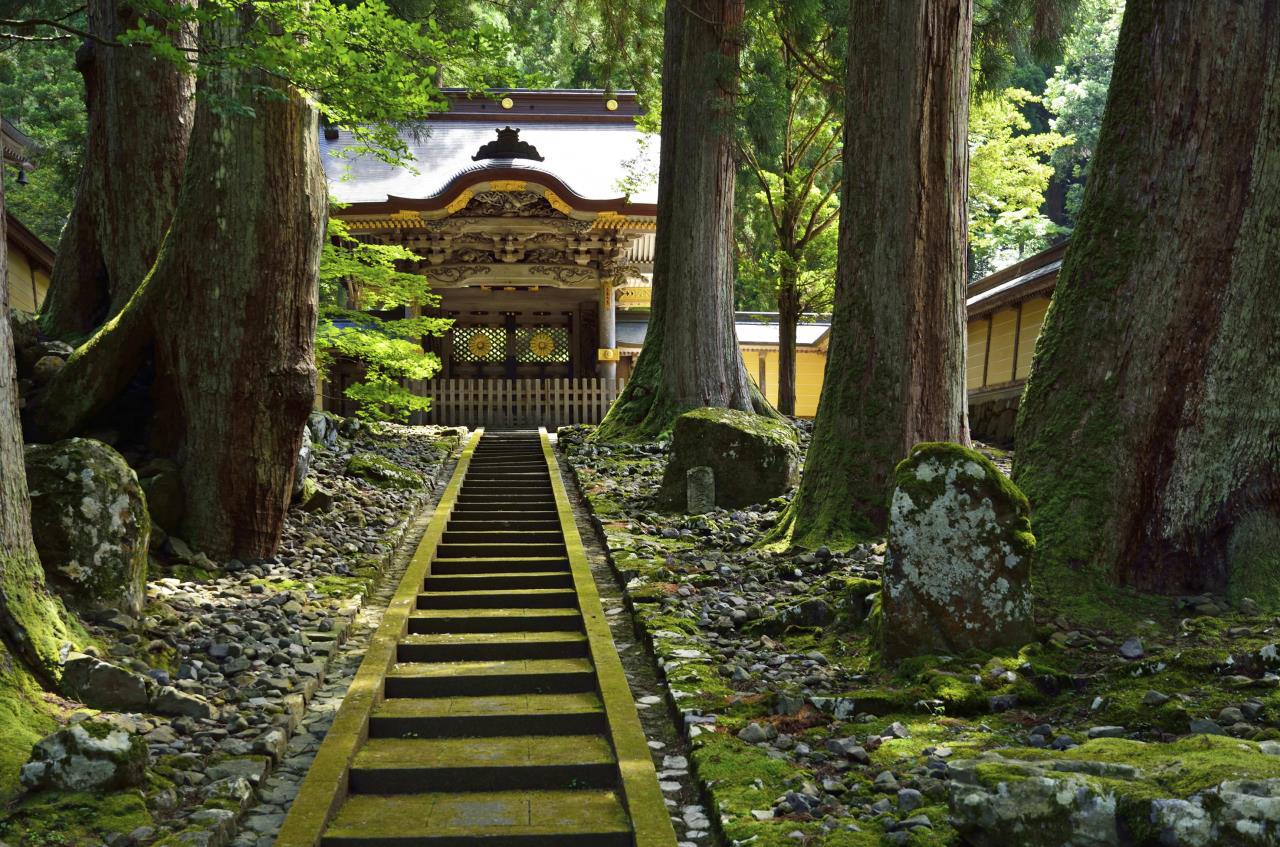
502 403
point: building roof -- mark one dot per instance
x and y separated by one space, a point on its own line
38 253
754 329
16 144
1033 275
585 146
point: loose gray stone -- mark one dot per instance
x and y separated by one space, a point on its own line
700 490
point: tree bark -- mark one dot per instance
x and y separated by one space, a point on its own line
32 621
227 315
140 111
1147 437
788 319
691 356
895 366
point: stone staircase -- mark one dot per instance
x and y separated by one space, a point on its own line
491 726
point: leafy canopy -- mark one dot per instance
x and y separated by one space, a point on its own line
1009 171
357 281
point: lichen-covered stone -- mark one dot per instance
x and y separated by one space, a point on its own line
87 756
303 465
91 523
1236 812
752 457
381 472
957 573
996 802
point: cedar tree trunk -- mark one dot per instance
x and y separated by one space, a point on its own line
32 621
788 318
691 356
140 111
227 315
895 367
1149 434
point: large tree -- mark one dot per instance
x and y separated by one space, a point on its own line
895 366
140 109
32 622
1149 434
210 360
691 356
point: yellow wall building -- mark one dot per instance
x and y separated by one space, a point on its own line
1006 310
30 262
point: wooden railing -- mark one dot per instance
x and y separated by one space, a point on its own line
501 403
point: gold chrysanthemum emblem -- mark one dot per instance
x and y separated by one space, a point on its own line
542 345
480 345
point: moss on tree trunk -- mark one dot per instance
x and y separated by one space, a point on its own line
895 366
140 114
32 621
1149 434
226 317
691 357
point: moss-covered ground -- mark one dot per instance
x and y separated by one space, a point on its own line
64 819
1201 660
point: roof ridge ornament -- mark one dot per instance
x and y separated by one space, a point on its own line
507 146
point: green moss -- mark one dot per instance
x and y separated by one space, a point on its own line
769 428
73 819
330 585
1178 769
382 472
1254 557
27 714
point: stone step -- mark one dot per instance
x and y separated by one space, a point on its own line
507 501
503 536
499 714
465 523
490 646
489 551
583 818
509 598
504 763
515 515
507 511
475 679
495 581
432 621
507 475
500 564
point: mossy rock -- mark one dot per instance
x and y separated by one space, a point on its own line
958 570
87 756
381 472
91 524
753 458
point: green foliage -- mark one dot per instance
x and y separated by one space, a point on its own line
790 142
1009 171
41 94
1008 34
1076 94
358 280
366 68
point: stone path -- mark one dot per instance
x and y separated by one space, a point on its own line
492 708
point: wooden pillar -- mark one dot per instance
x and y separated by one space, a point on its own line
608 337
